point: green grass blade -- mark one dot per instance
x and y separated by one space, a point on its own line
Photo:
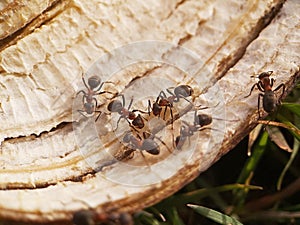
253 161
248 170
192 196
145 218
293 107
292 129
215 215
289 163
174 217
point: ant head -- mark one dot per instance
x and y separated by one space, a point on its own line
150 146
94 81
183 91
115 106
203 119
89 108
265 75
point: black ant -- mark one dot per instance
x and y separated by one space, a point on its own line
119 107
89 217
265 85
181 91
187 130
90 103
146 143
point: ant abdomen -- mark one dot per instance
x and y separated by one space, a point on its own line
94 81
269 101
183 91
115 106
150 146
203 119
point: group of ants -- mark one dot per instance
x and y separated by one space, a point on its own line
162 103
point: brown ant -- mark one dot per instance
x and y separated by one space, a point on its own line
89 217
181 91
90 103
146 143
187 130
119 107
265 85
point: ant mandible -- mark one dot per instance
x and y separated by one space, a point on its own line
265 85
181 91
90 103
187 130
119 107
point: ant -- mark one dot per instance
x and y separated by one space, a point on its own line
90 103
181 91
119 107
265 85
89 217
187 130
146 143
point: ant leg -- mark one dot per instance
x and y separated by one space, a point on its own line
168 90
118 123
144 118
149 107
96 102
141 111
195 118
82 112
179 142
181 96
164 118
172 127
83 80
95 111
100 112
158 138
130 103
101 85
145 159
283 89
171 112
102 92
251 90
185 123
81 91
260 86
162 94
133 128
99 88
272 82
258 104
83 97
148 135
128 123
